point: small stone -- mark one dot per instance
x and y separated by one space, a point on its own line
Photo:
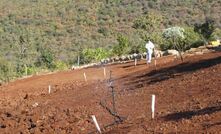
2 126
26 96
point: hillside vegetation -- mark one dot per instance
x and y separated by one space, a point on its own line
38 35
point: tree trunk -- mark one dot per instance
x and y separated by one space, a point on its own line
178 49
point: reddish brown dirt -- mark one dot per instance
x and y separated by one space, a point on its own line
188 99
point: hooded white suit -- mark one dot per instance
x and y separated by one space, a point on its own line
149 46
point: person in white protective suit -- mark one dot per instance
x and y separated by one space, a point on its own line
150 48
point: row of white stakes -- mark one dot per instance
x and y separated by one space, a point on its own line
152 114
135 64
85 78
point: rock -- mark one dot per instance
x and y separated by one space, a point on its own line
164 53
108 60
26 96
112 59
74 67
135 55
158 53
128 57
103 61
202 47
205 51
35 105
131 57
2 126
170 52
199 53
192 50
123 58
117 59
173 52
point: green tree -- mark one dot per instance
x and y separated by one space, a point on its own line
122 47
191 38
101 53
92 55
150 22
205 29
175 36
149 26
46 59
87 55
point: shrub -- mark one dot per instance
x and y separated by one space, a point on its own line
91 55
206 28
59 65
46 59
87 55
20 68
191 38
216 34
6 72
150 22
31 70
165 45
122 47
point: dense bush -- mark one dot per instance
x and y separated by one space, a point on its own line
6 70
122 47
216 34
149 28
32 70
93 55
165 45
46 59
59 65
191 38
150 22
205 29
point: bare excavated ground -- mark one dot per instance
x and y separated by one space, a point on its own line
188 99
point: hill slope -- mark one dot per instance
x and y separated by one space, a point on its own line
67 26
187 98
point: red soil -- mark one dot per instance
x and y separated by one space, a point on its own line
188 99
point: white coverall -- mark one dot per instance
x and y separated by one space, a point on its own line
149 46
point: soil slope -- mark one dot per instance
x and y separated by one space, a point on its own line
187 99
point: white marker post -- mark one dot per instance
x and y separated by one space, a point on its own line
155 60
78 60
85 77
96 124
153 106
49 89
26 70
135 61
104 72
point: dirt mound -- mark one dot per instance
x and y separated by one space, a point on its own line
187 99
